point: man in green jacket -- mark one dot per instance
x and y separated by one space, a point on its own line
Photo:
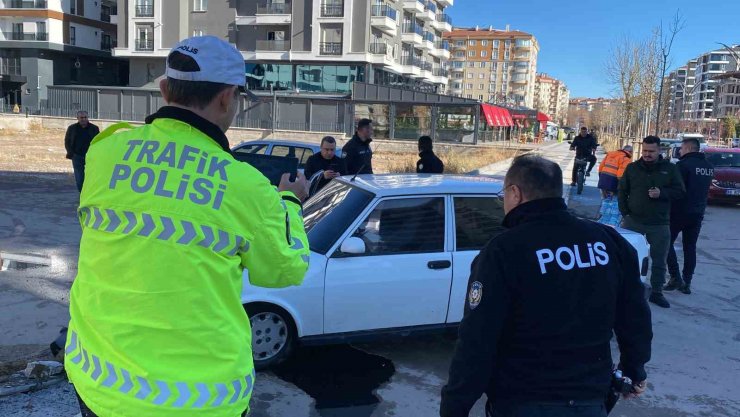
645 193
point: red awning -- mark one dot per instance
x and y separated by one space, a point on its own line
496 116
542 117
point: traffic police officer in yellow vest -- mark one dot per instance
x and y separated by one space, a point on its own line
170 220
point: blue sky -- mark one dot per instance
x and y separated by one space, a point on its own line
576 35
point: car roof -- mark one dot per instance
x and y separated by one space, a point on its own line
281 142
721 150
388 185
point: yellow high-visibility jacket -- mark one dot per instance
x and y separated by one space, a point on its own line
170 220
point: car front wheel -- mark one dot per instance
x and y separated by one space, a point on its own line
273 334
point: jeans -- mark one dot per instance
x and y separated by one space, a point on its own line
78 164
549 409
591 162
659 238
689 228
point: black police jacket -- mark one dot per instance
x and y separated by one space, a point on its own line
543 300
429 163
358 156
697 174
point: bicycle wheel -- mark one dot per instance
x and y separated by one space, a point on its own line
581 180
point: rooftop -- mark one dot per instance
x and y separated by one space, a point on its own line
485 33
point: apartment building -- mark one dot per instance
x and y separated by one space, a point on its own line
708 66
305 46
56 42
551 96
495 66
682 82
727 95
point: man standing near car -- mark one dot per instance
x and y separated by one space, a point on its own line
357 152
584 145
688 213
326 161
543 300
170 221
646 191
428 162
77 142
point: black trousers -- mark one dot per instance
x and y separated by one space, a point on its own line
548 409
591 163
689 228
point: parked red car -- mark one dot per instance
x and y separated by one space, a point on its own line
726 183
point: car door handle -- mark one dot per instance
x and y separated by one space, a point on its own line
439 264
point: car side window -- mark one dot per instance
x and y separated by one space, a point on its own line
477 220
255 148
301 153
307 153
403 226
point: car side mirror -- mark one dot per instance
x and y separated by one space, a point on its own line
353 246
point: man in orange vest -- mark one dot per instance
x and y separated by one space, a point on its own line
612 168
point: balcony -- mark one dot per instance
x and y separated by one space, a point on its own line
446 3
412 33
330 48
441 50
20 36
429 14
105 17
411 66
273 14
414 6
441 72
428 41
26 4
384 17
443 22
106 45
332 9
144 44
381 54
144 10
273 46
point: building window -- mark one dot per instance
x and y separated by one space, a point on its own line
200 5
198 32
471 53
481 87
460 43
105 43
480 97
484 42
144 8
72 35
482 64
73 7
457 86
458 76
482 76
470 75
471 42
144 38
483 54
469 86
459 54
458 64
506 55
328 78
471 64
470 96
495 43
494 66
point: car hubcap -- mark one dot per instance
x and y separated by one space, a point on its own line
269 335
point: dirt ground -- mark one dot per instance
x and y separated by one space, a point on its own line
42 150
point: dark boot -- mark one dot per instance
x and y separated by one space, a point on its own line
659 300
686 287
674 283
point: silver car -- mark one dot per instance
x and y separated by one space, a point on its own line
300 150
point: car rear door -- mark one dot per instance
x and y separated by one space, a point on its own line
477 219
403 279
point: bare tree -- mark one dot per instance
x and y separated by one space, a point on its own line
623 71
666 44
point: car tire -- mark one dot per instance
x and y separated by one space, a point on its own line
273 334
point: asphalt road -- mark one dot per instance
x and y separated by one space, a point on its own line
696 350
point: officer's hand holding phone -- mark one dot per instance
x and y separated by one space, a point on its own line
299 187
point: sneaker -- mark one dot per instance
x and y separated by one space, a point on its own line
674 284
572 184
686 289
659 300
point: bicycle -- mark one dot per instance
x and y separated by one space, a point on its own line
580 174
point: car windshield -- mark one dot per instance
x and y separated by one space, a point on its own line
724 159
330 212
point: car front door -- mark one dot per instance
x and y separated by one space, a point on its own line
403 277
477 220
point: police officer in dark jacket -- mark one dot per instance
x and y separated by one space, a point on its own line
357 152
77 142
543 300
428 162
688 213
584 144
326 161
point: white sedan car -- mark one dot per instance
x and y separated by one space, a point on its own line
390 254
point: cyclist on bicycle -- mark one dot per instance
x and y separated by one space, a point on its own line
585 146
